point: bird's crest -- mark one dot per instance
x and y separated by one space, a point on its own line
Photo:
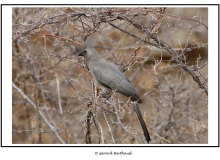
89 43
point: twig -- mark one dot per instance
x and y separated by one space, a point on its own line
88 128
162 138
50 35
161 106
163 45
184 131
186 19
53 128
113 140
174 135
94 120
119 120
58 94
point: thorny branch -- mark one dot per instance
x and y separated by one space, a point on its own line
84 23
53 128
165 46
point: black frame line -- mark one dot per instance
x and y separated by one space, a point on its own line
44 145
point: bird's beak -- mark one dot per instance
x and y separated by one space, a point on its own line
80 53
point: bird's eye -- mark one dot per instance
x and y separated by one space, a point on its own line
85 51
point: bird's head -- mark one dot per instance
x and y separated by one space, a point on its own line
88 51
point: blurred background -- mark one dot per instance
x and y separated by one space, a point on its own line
46 68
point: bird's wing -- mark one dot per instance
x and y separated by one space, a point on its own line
111 77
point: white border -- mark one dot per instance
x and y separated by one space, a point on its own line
7 76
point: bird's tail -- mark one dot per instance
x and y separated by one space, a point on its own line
143 125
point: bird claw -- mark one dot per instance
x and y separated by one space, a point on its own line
106 95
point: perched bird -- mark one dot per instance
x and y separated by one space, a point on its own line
111 77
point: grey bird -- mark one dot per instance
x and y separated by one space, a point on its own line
112 78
